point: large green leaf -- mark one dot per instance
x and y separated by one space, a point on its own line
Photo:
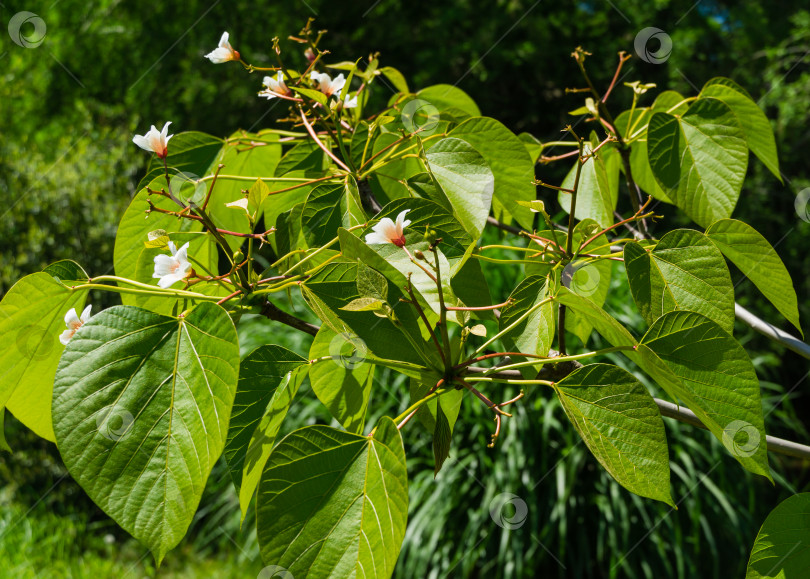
334 504
448 97
141 407
684 271
32 317
757 127
715 379
269 378
328 208
699 159
620 422
466 179
755 257
781 549
343 383
509 160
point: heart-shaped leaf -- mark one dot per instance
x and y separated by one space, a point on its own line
334 504
141 406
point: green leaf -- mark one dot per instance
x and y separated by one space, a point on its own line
311 94
466 179
335 285
307 157
395 77
751 252
716 381
511 165
328 208
780 550
334 504
671 102
32 317
598 187
269 378
586 277
67 271
3 443
757 127
620 422
388 181
141 407
371 283
684 271
533 146
342 384
445 97
699 159
470 286
427 414
639 161
442 436
534 334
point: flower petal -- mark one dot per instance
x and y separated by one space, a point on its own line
72 318
65 336
86 314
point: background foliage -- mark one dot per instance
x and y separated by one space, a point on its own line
68 169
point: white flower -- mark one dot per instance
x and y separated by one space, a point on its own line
73 323
387 231
349 102
275 86
157 142
326 84
172 268
224 52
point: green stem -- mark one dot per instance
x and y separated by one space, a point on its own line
421 402
495 369
508 381
155 291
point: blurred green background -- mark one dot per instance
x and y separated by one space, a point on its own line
107 69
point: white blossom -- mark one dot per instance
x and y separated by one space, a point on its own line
328 85
73 322
275 86
155 141
387 231
170 269
224 52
